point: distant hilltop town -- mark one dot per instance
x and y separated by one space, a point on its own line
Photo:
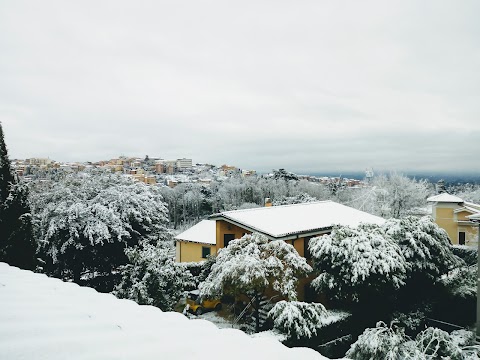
156 171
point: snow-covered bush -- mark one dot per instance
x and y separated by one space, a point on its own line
466 340
434 343
84 222
463 338
297 319
153 277
413 321
355 263
251 265
466 253
461 282
199 270
425 246
383 342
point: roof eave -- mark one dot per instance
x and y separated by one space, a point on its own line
195 242
287 236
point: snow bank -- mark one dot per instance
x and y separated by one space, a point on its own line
45 318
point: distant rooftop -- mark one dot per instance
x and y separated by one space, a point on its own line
44 318
281 221
445 198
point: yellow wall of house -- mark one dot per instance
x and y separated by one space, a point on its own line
462 216
223 227
298 244
191 252
446 218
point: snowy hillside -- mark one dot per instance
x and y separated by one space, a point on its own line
45 318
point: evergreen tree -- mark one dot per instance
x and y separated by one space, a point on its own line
6 176
250 266
17 245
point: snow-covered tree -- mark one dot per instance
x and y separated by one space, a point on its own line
425 246
282 174
297 199
355 264
153 277
297 319
17 245
390 196
85 222
471 194
6 175
253 264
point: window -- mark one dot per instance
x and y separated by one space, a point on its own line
205 251
227 238
461 238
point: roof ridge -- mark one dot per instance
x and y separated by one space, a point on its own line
276 206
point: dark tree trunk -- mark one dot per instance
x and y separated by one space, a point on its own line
257 313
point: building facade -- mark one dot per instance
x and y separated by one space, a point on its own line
453 214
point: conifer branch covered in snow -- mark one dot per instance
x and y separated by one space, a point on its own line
354 261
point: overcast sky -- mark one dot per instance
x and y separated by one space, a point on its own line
310 86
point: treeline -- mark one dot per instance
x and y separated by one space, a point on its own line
392 195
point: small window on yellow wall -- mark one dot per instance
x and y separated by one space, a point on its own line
461 238
205 252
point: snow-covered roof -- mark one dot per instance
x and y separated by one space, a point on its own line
280 221
474 216
472 206
470 209
204 233
445 198
44 318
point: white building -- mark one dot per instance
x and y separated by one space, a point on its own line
184 163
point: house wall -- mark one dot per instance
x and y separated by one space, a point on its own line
445 217
191 252
299 245
443 214
224 227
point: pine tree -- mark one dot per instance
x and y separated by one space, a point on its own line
6 176
17 246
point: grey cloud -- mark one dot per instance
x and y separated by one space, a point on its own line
305 86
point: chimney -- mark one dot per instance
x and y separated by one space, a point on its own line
268 202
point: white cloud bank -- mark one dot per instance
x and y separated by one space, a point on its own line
313 86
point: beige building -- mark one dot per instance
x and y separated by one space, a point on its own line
453 214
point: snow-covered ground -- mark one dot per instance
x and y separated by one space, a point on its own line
216 319
45 318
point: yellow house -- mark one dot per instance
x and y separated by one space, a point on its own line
196 243
453 214
295 224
